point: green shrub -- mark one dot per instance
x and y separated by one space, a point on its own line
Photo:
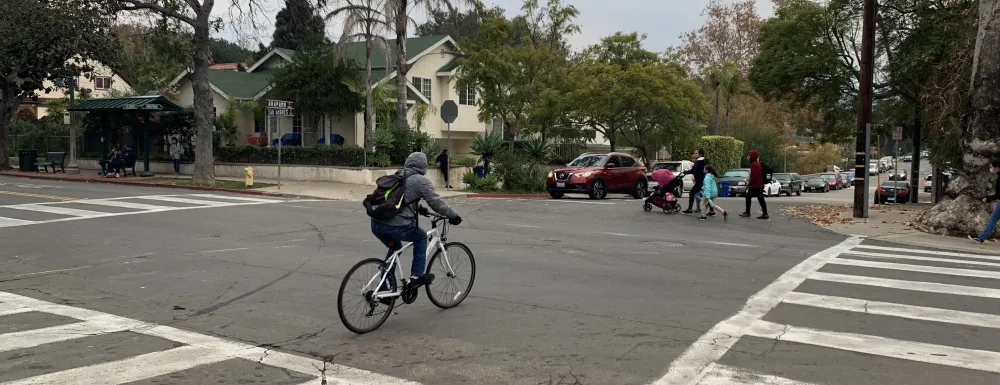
462 161
379 160
475 183
518 173
724 152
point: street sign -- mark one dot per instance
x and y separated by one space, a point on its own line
279 105
449 111
897 133
280 112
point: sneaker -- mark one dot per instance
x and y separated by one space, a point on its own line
703 217
725 216
425 279
744 215
764 217
688 212
975 238
711 213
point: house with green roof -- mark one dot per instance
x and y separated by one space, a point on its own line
431 81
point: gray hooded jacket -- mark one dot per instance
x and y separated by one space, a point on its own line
418 187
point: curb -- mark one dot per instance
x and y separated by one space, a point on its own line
144 184
496 196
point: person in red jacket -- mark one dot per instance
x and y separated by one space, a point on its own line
756 188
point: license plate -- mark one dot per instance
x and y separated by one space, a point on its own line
890 199
560 184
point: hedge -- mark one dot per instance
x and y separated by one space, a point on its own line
351 156
723 152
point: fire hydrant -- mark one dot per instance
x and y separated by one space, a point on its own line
248 173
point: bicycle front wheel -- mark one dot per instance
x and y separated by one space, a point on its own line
455 276
358 309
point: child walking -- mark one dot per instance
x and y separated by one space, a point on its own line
710 191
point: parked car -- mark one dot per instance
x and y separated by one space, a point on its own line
895 191
738 179
925 154
874 168
772 188
908 159
817 185
898 176
676 167
832 179
597 174
929 183
849 177
790 183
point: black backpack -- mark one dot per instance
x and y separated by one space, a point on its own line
387 201
768 173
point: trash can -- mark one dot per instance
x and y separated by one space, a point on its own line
27 159
480 171
723 189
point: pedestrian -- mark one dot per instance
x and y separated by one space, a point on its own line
442 161
176 151
710 191
991 224
698 171
756 188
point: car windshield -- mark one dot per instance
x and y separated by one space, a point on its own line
929 178
783 177
896 184
829 176
672 166
737 174
588 161
816 180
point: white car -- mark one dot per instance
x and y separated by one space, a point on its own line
675 166
773 188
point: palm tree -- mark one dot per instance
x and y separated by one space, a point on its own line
711 76
732 82
398 15
365 22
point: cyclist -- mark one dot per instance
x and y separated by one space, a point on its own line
404 227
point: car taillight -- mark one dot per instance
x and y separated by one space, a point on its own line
880 189
904 192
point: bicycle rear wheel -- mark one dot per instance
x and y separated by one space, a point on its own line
359 312
457 274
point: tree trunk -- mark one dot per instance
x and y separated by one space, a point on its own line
611 139
369 103
204 162
963 212
7 107
401 67
729 107
715 117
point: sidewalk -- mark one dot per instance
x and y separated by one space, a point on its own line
322 190
887 223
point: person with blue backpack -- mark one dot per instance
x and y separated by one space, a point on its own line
394 207
710 191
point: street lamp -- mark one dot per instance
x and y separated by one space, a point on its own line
70 82
786 156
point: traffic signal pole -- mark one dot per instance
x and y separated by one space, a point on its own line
864 111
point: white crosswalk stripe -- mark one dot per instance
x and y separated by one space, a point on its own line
700 363
145 204
194 350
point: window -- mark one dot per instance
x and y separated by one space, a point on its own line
497 125
627 161
258 126
297 124
424 86
467 96
102 83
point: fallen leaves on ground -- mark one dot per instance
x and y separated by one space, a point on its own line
822 214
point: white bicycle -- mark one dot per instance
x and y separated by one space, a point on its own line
370 307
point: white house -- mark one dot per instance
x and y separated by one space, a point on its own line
431 81
101 81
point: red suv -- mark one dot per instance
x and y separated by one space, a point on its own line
597 174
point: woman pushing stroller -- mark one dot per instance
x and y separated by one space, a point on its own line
665 194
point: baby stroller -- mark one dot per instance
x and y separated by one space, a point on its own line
664 196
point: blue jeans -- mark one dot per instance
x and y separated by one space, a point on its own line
991 224
177 166
393 238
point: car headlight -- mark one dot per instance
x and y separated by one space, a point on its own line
742 183
585 174
551 174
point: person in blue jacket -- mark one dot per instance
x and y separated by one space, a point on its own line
710 191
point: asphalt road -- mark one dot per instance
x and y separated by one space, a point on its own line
180 287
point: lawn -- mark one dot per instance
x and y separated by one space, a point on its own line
226 184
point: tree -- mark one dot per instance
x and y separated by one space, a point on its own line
315 80
398 14
728 35
509 77
457 24
224 51
42 39
364 21
963 211
298 25
147 58
732 83
197 14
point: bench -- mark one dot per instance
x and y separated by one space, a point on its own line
128 162
52 159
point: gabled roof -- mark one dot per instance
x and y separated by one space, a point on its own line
448 69
240 85
415 48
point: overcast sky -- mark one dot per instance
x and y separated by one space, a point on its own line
661 20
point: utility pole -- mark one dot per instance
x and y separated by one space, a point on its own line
864 110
